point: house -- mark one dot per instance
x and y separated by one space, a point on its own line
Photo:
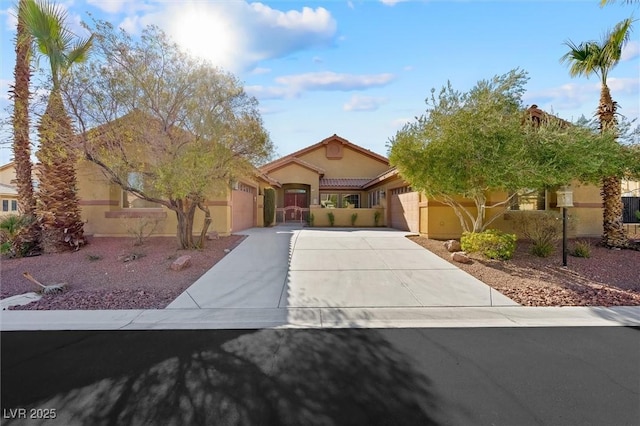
8 190
339 178
331 176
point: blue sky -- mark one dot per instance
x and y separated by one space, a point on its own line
362 69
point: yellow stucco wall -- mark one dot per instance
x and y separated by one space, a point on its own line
103 215
343 217
353 164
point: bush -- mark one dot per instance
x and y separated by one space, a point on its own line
332 218
269 206
491 243
638 214
10 227
376 217
543 249
141 228
581 249
354 217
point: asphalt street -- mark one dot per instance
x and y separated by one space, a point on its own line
480 376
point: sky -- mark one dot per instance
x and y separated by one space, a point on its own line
363 68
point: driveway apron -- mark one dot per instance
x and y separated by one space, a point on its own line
286 267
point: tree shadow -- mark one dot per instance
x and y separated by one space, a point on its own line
271 376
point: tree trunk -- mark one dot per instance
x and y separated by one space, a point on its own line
185 213
27 239
613 232
58 208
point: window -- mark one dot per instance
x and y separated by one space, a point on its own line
351 200
374 197
329 201
14 205
5 205
529 199
132 201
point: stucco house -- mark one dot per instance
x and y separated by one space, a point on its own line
333 176
8 190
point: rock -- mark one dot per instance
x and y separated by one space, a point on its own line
452 246
460 257
213 235
181 263
227 250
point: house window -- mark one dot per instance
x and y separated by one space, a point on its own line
14 205
374 198
351 200
529 199
132 201
5 205
329 201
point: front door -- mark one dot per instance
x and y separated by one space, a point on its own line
294 198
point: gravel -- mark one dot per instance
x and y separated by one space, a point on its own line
112 273
607 278
98 277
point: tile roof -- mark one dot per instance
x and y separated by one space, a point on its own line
343 183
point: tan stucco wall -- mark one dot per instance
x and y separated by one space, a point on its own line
100 204
352 164
343 217
7 174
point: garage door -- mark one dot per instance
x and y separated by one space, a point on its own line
405 209
243 208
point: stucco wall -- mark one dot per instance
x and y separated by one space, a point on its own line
343 217
352 164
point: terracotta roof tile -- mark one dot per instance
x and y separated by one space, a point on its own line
343 183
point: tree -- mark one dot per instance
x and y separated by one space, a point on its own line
28 236
58 208
599 58
163 126
606 2
468 145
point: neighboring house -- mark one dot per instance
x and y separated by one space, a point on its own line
8 190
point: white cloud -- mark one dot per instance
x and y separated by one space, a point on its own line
350 4
630 51
291 86
623 85
110 6
567 96
4 89
260 70
363 103
391 2
237 35
398 123
328 80
408 68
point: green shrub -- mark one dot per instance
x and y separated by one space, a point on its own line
10 227
542 228
354 217
581 248
376 217
269 206
542 249
492 243
638 214
332 218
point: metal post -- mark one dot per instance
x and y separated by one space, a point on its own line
564 236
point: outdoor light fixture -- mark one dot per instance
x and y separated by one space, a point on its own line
565 200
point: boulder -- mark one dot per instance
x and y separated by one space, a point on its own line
181 263
461 257
213 235
452 246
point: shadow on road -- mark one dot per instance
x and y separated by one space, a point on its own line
288 377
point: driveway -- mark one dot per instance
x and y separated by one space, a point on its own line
283 267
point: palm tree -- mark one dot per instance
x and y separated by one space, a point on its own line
593 57
28 237
58 207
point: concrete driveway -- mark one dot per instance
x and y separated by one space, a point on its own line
284 267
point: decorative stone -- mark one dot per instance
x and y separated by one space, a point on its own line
227 250
181 263
460 257
213 235
452 246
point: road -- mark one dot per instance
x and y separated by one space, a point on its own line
474 376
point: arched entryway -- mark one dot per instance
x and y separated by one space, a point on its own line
295 202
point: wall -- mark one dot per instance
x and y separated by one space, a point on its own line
353 164
343 217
